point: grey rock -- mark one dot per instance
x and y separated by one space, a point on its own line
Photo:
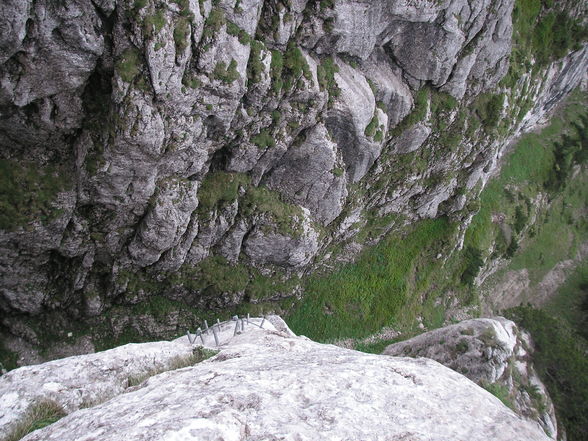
246 390
263 246
411 139
307 174
165 222
487 351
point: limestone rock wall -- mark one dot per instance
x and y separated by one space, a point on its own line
153 139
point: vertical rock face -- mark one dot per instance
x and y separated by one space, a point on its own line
168 137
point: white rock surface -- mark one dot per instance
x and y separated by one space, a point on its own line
270 385
488 351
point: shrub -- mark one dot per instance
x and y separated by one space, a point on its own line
255 66
263 139
226 74
182 34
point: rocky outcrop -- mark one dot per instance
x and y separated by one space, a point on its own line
269 384
163 136
495 354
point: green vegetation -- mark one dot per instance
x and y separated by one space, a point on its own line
418 114
255 66
182 34
276 67
226 74
287 69
220 187
542 33
501 392
326 77
191 81
371 128
571 302
378 290
561 362
263 139
264 200
128 65
39 415
28 192
489 108
213 24
295 65
199 355
540 165
236 31
154 23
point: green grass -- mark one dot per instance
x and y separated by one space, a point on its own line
263 139
375 291
218 188
154 23
128 65
571 301
501 392
39 415
224 73
561 362
531 169
182 34
276 68
213 24
28 192
326 77
255 67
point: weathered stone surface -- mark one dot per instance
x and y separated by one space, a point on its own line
312 176
270 385
266 246
487 351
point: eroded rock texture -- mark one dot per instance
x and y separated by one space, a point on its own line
268 384
160 146
495 354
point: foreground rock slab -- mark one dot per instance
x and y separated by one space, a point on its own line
270 385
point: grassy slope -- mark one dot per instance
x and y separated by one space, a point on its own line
400 279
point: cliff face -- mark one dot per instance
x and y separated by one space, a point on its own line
263 384
155 147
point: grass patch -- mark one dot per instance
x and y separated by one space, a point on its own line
501 392
255 67
182 34
28 193
263 139
199 354
376 291
219 188
224 73
571 301
39 415
540 164
128 65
